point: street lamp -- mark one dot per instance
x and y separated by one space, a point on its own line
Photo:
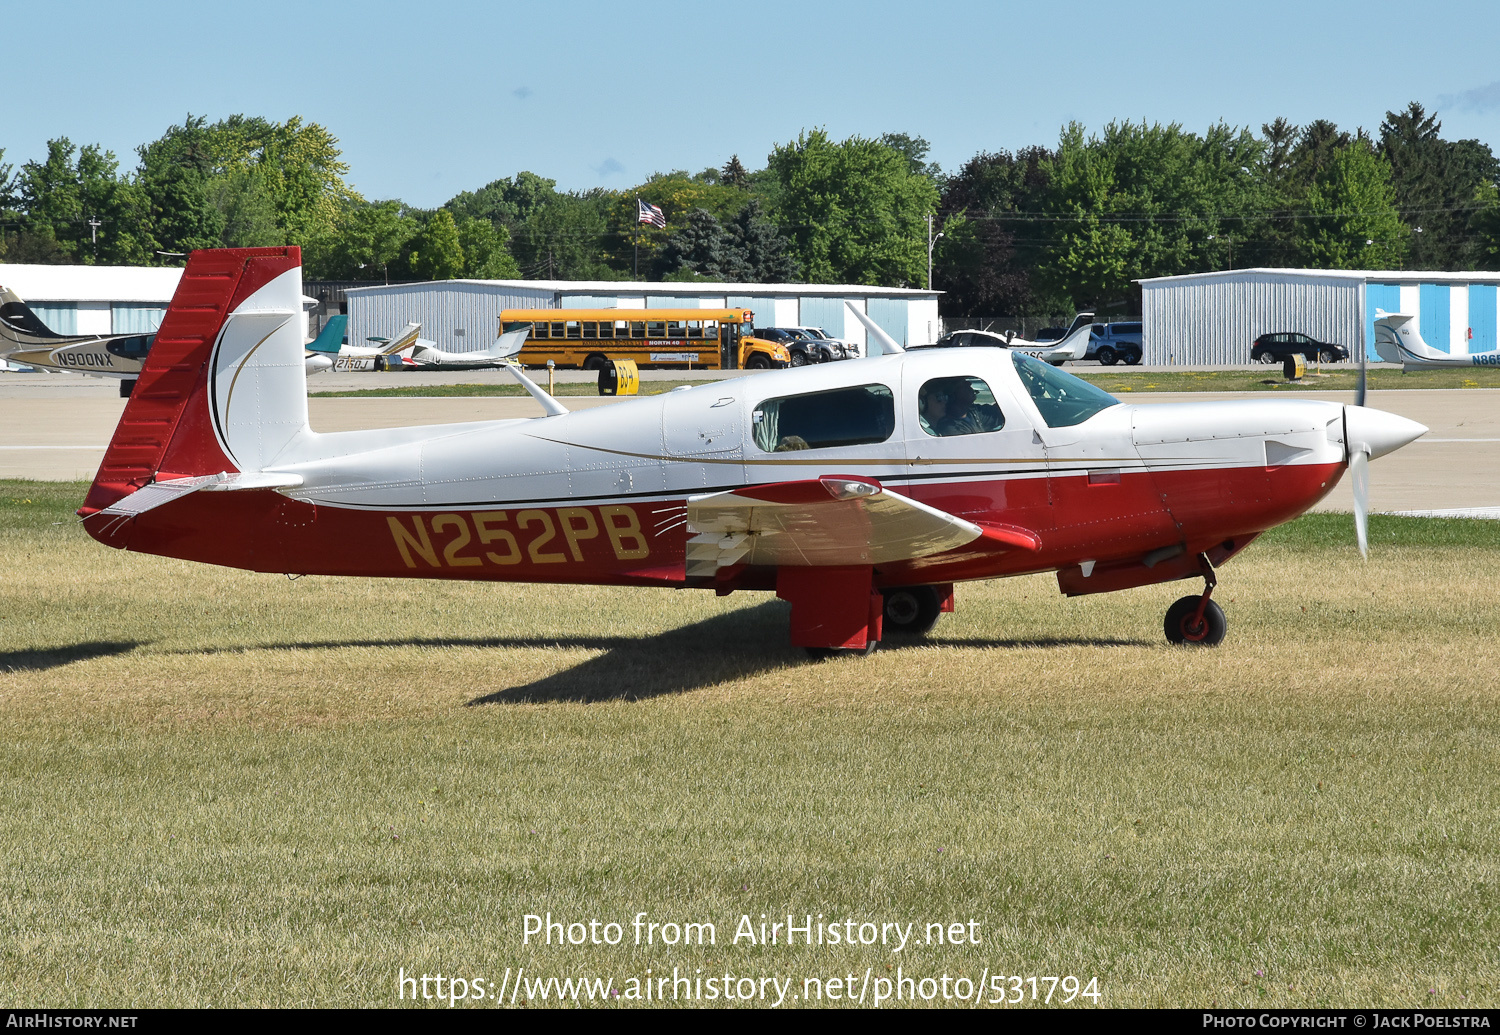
931 242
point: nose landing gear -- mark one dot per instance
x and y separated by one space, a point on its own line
1197 621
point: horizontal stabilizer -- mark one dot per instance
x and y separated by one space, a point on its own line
159 494
824 521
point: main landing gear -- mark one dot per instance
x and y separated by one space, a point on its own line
1197 621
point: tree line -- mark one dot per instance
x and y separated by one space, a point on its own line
1037 231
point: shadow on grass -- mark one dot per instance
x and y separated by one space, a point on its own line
720 649
57 657
896 643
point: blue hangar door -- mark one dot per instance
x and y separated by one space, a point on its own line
1436 315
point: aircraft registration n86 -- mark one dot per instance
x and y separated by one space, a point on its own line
860 492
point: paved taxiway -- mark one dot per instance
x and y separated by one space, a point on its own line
55 427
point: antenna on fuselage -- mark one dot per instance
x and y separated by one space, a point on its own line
887 343
551 405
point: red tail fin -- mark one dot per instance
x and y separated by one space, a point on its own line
166 430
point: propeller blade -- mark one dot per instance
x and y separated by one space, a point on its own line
1359 387
1359 476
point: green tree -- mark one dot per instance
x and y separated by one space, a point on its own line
370 242
565 238
1146 201
1351 221
764 254
246 179
734 174
84 205
486 252
1438 184
436 253
855 211
508 201
701 245
993 233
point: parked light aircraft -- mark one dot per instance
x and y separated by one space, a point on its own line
336 353
425 355
1073 345
850 489
24 339
1397 340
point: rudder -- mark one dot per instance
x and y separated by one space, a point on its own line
171 427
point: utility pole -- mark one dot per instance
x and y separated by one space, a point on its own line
931 241
94 224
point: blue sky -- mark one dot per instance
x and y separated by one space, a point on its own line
431 99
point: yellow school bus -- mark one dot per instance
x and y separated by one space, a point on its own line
714 339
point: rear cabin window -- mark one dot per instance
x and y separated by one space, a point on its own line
824 420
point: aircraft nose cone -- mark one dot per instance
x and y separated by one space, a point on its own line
1379 432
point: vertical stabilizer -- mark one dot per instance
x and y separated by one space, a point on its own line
224 386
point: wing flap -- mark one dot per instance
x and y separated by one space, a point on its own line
833 521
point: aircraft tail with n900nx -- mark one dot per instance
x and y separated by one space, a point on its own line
861 493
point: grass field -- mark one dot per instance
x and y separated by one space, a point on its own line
1340 378
231 789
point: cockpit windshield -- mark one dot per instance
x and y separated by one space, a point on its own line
1064 400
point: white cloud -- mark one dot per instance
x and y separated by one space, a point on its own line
1481 99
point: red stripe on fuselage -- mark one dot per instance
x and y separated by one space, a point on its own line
633 542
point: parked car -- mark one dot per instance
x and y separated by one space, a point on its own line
804 348
1111 343
1275 348
849 349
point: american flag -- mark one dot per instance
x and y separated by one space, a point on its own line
651 214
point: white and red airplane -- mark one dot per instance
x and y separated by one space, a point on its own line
860 492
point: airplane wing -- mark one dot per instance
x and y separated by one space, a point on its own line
824 521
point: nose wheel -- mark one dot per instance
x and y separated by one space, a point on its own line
1197 621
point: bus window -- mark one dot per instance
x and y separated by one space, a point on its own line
695 328
538 330
606 328
590 330
557 330
622 329
656 330
637 330
675 329
572 326
710 328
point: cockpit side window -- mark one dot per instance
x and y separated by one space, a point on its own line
821 420
1064 400
949 406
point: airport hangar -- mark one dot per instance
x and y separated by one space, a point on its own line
94 299
1209 319
464 315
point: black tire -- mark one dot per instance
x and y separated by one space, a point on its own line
596 362
1326 356
911 610
1132 358
758 361
1268 358
1107 356
1179 625
799 359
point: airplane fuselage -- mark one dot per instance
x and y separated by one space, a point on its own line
601 495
